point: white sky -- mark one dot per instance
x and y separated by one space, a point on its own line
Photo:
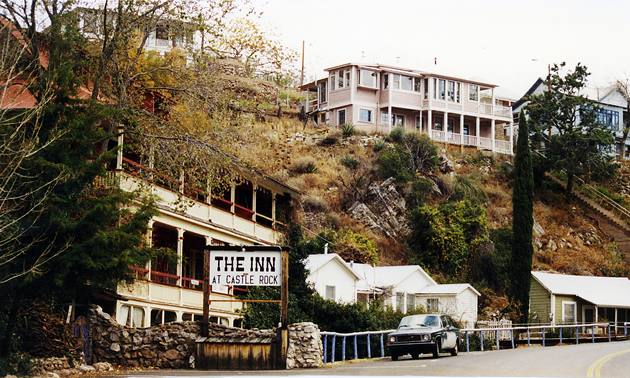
504 42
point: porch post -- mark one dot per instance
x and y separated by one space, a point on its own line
254 191
150 244
180 255
430 123
493 124
461 133
477 131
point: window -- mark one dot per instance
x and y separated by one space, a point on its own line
341 117
340 79
367 78
466 129
131 316
569 310
426 88
396 81
439 122
451 125
433 304
418 123
406 83
333 81
400 301
453 91
439 92
411 302
159 317
347 78
397 120
473 92
330 292
219 320
366 115
322 92
609 118
386 81
161 32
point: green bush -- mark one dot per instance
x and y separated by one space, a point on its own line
349 162
397 135
421 189
468 188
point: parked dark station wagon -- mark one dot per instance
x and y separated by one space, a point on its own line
426 333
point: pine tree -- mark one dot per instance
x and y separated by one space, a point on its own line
523 221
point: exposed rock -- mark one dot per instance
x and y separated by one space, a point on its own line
384 210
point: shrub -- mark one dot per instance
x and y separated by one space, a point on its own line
379 144
330 140
397 135
349 162
347 129
314 203
304 165
420 190
467 188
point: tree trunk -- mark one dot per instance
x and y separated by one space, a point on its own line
569 190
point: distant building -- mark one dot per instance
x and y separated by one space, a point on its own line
376 97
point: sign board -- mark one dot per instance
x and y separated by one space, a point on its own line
238 268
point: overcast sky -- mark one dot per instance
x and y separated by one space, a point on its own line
508 43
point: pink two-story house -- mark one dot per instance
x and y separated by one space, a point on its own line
377 98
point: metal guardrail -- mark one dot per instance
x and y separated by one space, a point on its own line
494 332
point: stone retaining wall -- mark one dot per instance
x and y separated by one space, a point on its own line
172 345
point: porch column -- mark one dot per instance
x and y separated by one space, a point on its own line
180 255
254 190
445 129
477 131
119 154
492 123
511 138
420 120
461 133
150 244
273 210
430 123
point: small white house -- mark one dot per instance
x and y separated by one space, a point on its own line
332 278
401 287
459 300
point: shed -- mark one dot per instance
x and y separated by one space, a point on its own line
459 300
568 299
331 277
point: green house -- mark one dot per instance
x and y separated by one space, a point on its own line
566 299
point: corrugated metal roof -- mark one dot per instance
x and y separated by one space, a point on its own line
601 291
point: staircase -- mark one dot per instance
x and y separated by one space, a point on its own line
610 216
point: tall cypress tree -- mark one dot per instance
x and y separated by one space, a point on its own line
523 221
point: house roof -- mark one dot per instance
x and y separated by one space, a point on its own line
601 291
445 289
377 278
314 262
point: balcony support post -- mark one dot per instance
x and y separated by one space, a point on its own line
180 255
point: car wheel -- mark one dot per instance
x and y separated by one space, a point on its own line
436 348
415 356
455 350
394 357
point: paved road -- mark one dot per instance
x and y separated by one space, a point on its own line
585 360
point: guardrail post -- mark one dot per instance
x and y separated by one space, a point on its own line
325 354
593 333
512 338
497 338
609 331
343 349
625 329
382 346
356 355
332 358
467 343
577 335
369 346
560 335
481 339
528 339
543 341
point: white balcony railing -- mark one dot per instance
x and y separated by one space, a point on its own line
502 146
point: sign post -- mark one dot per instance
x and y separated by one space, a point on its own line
250 265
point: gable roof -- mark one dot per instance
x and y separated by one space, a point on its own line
454 289
313 263
601 291
380 277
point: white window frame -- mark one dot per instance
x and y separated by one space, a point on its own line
385 119
564 313
473 92
331 292
362 73
438 120
339 113
433 305
370 115
400 301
